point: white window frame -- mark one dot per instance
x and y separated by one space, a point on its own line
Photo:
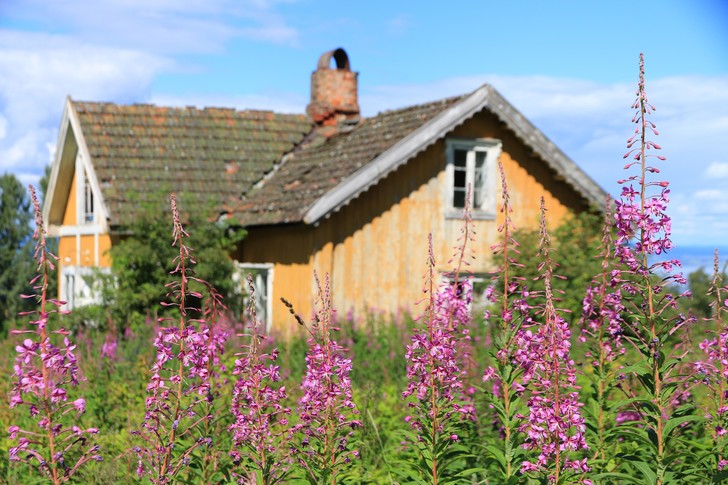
492 149
80 286
89 216
266 302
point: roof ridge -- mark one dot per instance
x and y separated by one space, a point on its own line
206 109
448 100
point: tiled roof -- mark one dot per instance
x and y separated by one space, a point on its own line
309 173
207 155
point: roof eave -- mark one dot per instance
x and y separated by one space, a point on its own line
104 215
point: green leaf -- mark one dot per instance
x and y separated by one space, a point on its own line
496 454
616 477
646 470
674 422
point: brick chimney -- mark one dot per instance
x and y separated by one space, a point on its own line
334 99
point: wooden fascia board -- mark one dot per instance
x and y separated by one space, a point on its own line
400 153
103 217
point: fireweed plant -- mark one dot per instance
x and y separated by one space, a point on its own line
322 440
212 459
45 375
260 452
508 297
713 372
554 426
180 389
601 328
434 391
655 379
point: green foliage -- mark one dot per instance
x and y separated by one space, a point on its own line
143 258
575 243
699 282
16 248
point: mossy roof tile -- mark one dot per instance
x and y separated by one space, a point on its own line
138 150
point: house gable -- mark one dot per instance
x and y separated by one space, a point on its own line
71 167
484 98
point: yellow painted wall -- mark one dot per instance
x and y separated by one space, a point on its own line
80 250
375 248
69 246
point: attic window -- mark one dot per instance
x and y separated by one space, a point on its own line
472 163
88 202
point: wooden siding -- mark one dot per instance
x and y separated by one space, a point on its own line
375 248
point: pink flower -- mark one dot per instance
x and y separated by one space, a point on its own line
80 405
327 412
260 417
188 355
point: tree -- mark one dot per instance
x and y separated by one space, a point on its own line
16 258
700 282
575 242
144 257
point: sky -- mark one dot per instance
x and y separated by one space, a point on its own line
571 67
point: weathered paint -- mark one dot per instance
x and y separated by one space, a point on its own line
375 248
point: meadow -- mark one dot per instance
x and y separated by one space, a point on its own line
513 383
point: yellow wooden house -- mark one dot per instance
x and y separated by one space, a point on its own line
327 191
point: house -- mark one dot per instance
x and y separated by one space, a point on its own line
328 190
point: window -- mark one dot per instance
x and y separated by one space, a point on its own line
88 202
472 163
81 285
262 286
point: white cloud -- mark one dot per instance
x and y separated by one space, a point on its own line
163 26
108 51
280 103
711 194
717 170
40 70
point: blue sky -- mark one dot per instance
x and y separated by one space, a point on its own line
570 66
